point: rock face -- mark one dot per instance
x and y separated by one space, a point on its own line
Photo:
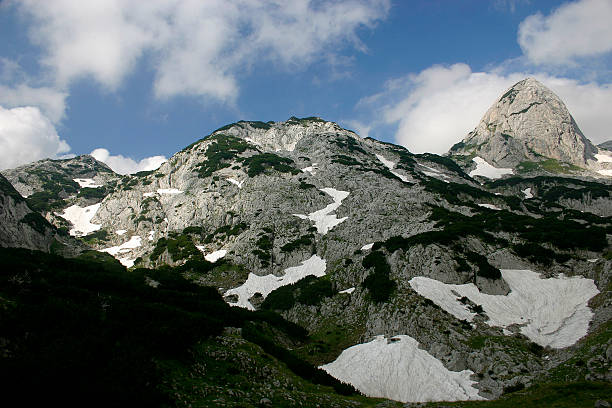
35 177
20 227
262 199
529 123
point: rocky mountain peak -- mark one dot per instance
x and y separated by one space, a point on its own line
276 136
528 123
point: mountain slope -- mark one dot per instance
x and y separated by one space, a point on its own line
307 219
529 123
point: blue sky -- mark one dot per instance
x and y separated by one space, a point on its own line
141 80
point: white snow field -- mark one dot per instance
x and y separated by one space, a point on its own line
486 170
397 369
324 219
349 290
551 312
435 173
391 165
235 182
605 172
311 169
163 191
134 242
87 183
527 192
266 284
213 256
80 217
603 158
120 232
367 247
489 206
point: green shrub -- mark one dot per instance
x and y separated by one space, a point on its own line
378 283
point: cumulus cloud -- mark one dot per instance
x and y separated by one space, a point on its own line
195 47
50 101
574 30
437 107
125 165
27 135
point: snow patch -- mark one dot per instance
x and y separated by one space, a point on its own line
398 369
367 247
605 172
215 256
168 191
603 158
149 194
323 219
81 217
551 312
593 260
120 232
151 235
486 170
349 290
134 242
236 182
527 192
151 282
311 169
391 165
266 284
128 263
89 183
489 206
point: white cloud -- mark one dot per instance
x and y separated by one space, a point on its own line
50 101
195 47
27 135
576 29
125 165
358 127
438 107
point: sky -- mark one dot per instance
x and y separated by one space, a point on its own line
133 82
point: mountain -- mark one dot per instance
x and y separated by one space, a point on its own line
21 227
411 280
528 128
606 145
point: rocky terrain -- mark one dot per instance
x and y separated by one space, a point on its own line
489 273
530 130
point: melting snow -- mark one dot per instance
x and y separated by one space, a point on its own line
236 182
391 165
323 219
311 169
486 170
605 172
489 206
87 183
434 173
552 312
120 232
527 192
397 369
592 260
134 242
151 235
81 217
266 284
349 290
603 158
367 247
149 194
215 256
168 191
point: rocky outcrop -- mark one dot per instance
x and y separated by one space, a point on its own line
20 227
529 123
